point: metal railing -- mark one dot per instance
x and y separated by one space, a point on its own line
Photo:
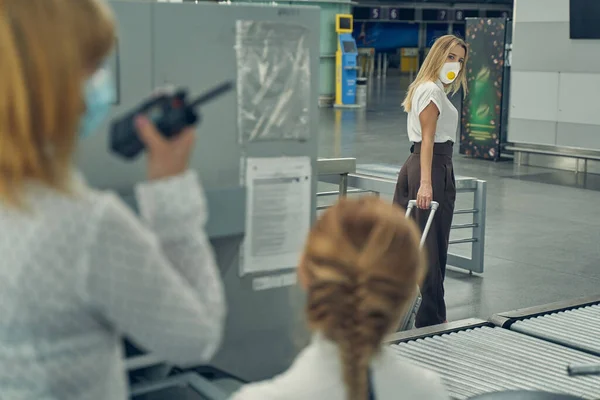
522 153
337 167
337 170
381 180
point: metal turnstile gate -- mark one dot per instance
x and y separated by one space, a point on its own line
575 324
381 179
474 357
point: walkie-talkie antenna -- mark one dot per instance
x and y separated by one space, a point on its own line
216 92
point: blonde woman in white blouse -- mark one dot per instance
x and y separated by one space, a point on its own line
428 173
78 269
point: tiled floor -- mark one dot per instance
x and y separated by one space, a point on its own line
543 226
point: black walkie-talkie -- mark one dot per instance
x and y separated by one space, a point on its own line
170 113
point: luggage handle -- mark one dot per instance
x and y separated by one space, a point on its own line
410 318
434 206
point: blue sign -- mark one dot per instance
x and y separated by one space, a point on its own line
384 36
394 13
375 12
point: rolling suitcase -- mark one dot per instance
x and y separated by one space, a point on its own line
408 322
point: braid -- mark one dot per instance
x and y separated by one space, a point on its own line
334 306
363 262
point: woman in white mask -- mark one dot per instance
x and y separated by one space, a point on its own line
78 269
428 174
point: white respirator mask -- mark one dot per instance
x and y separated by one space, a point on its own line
449 72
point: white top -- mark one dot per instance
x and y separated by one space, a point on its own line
79 272
447 124
317 375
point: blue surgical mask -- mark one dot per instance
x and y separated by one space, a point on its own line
99 97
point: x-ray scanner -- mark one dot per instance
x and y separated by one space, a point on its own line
256 149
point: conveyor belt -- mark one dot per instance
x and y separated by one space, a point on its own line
579 328
574 323
484 359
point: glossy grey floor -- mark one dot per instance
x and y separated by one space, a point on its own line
543 227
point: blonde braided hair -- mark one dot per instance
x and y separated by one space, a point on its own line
363 263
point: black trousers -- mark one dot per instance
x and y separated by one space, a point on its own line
433 306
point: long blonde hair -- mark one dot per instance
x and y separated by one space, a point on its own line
47 47
362 263
433 64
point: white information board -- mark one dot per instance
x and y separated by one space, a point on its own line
278 213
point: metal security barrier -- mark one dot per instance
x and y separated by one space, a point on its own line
381 179
574 324
337 170
473 357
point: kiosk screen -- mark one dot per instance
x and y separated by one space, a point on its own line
349 46
346 23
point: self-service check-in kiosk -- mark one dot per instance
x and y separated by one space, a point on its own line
346 62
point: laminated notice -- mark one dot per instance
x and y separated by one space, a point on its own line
274 81
278 213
